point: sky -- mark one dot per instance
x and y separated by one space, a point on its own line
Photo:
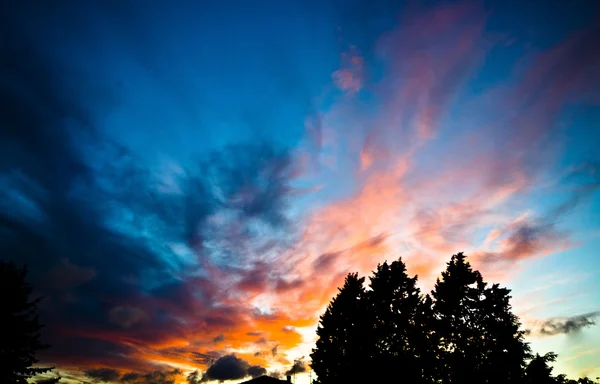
189 182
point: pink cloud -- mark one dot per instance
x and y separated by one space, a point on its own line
428 59
350 77
465 198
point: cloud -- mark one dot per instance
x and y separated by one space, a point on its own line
154 377
527 239
583 181
256 371
96 221
275 374
67 275
205 359
229 367
113 354
432 174
162 262
573 324
103 374
48 381
326 261
73 247
127 316
299 366
350 77
219 338
194 377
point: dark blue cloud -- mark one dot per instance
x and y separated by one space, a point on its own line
231 367
103 374
91 215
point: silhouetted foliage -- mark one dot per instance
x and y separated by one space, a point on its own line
392 304
539 369
479 336
562 379
463 332
585 380
20 330
340 332
426 344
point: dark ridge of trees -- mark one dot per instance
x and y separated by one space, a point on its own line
561 379
464 331
20 330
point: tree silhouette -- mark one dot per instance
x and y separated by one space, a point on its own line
427 341
456 300
340 347
20 331
392 305
585 380
479 336
582 380
464 332
504 349
539 369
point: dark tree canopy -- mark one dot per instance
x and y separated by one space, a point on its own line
340 345
392 303
456 300
479 336
20 330
539 369
463 332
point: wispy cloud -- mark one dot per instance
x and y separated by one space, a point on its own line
223 261
566 325
350 77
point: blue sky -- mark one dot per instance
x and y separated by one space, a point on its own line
174 173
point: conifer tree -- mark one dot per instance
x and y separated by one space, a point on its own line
393 304
503 350
539 369
427 341
20 330
479 337
340 348
456 297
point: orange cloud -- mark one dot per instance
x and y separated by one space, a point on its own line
398 207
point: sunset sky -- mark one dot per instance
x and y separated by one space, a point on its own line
192 179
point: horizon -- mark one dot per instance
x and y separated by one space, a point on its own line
194 180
